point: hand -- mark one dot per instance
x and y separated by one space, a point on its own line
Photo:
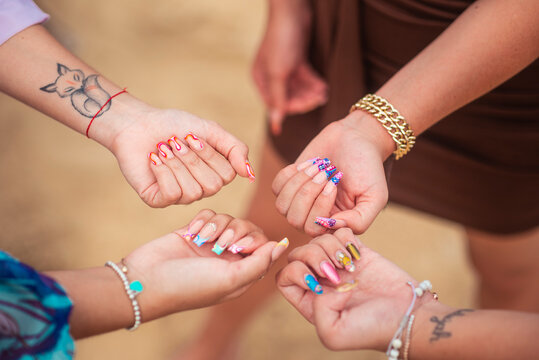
179 275
358 146
364 317
196 157
286 81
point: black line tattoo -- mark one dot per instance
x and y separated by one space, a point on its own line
439 331
87 96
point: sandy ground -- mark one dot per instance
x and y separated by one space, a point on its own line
65 204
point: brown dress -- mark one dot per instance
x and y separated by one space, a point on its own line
480 165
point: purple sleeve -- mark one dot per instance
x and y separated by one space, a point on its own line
17 15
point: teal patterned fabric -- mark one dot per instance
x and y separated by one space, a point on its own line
34 314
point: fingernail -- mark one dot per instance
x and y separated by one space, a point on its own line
330 272
330 170
329 188
279 249
194 141
217 249
175 143
320 178
234 249
154 159
337 178
353 250
313 284
250 171
325 222
284 242
318 166
199 241
208 230
195 227
307 163
164 150
345 261
245 242
347 286
226 238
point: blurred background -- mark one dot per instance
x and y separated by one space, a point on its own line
65 204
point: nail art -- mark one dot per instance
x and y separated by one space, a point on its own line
322 164
314 160
330 272
250 171
353 250
313 284
347 286
337 178
234 249
200 241
208 229
193 136
330 170
345 261
325 222
154 159
218 249
175 142
188 235
284 242
163 153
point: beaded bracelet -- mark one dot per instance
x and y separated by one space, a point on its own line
390 119
407 321
132 290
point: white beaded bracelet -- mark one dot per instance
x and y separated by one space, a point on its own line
132 290
395 344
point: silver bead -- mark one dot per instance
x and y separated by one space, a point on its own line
394 353
397 343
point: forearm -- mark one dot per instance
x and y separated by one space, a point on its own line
100 303
30 62
442 332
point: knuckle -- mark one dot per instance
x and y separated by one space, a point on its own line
282 206
305 192
294 220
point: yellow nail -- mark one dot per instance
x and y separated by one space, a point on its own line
284 242
354 251
347 286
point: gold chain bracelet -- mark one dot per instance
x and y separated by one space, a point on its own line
390 119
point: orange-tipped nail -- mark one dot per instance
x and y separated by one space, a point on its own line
162 147
194 140
154 159
250 171
175 142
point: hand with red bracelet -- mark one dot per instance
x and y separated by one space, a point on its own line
167 156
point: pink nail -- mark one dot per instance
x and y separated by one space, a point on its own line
337 178
163 150
250 171
325 222
234 249
154 159
175 142
194 141
330 272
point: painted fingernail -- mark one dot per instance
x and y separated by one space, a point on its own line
199 241
329 188
164 150
306 164
318 166
245 242
284 242
325 222
154 159
313 284
217 249
234 249
175 143
353 250
347 286
330 170
194 141
208 230
320 178
226 238
196 226
330 272
345 261
250 171
337 178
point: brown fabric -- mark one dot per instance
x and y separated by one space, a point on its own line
480 165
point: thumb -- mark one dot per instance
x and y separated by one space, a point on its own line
278 95
361 216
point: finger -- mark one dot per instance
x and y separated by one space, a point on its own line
316 257
278 95
317 222
209 180
212 229
306 196
212 158
299 287
295 184
189 231
336 250
229 146
286 174
248 243
252 267
167 190
328 317
237 229
261 83
363 214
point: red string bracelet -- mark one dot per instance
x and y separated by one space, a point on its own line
105 104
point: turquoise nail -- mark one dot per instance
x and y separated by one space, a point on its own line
200 241
313 284
136 286
218 249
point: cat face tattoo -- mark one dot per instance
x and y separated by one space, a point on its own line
87 96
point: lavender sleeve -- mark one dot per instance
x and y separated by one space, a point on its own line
17 15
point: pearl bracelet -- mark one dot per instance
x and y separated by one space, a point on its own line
132 290
395 344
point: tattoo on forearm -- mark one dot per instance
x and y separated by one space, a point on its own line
439 331
87 96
